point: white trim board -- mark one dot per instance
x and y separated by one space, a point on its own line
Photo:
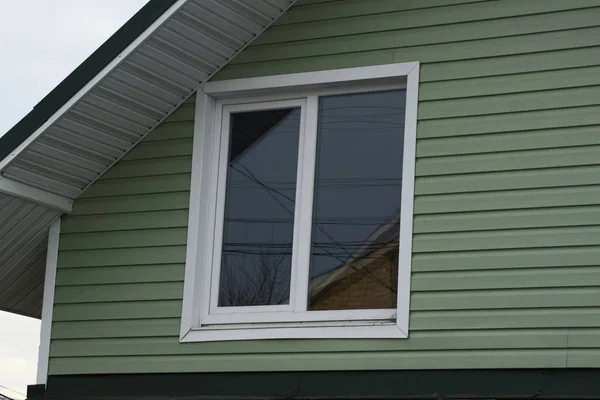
308 80
198 322
48 304
23 191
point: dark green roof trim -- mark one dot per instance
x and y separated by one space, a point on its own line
411 384
82 75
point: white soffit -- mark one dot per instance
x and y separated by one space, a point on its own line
23 237
147 82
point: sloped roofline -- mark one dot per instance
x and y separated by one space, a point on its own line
84 73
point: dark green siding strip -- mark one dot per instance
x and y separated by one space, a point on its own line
468 384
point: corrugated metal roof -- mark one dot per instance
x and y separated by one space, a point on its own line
108 116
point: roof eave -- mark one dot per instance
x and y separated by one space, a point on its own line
108 105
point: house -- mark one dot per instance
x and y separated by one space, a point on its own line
315 199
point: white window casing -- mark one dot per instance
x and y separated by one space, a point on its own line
202 318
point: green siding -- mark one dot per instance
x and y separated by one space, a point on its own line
506 270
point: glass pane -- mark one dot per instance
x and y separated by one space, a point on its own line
354 256
259 208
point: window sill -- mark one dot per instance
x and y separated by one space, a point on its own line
348 330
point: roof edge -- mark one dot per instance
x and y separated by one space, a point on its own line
82 75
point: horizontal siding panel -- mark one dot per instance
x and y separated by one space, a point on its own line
492 47
183 113
583 358
507 239
519 278
448 340
508 161
171 131
132 204
511 64
420 321
506 299
504 142
435 53
431 72
159 166
124 239
496 181
160 149
311 48
407 39
118 292
116 328
504 84
515 279
362 24
124 221
507 200
434 301
315 361
515 122
508 103
584 338
120 274
503 259
116 257
117 310
495 47
506 319
512 219
347 60
139 185
352 8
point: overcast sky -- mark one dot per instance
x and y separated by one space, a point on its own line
41 42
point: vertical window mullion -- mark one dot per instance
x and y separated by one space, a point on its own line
304 200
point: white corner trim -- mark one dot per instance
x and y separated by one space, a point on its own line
91 84
211 99
23 191
48 302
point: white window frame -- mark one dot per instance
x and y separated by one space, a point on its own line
202 320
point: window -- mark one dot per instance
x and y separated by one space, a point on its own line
301 206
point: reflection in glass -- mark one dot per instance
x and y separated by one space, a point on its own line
356 216
259 208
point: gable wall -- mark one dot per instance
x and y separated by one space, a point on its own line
507 210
